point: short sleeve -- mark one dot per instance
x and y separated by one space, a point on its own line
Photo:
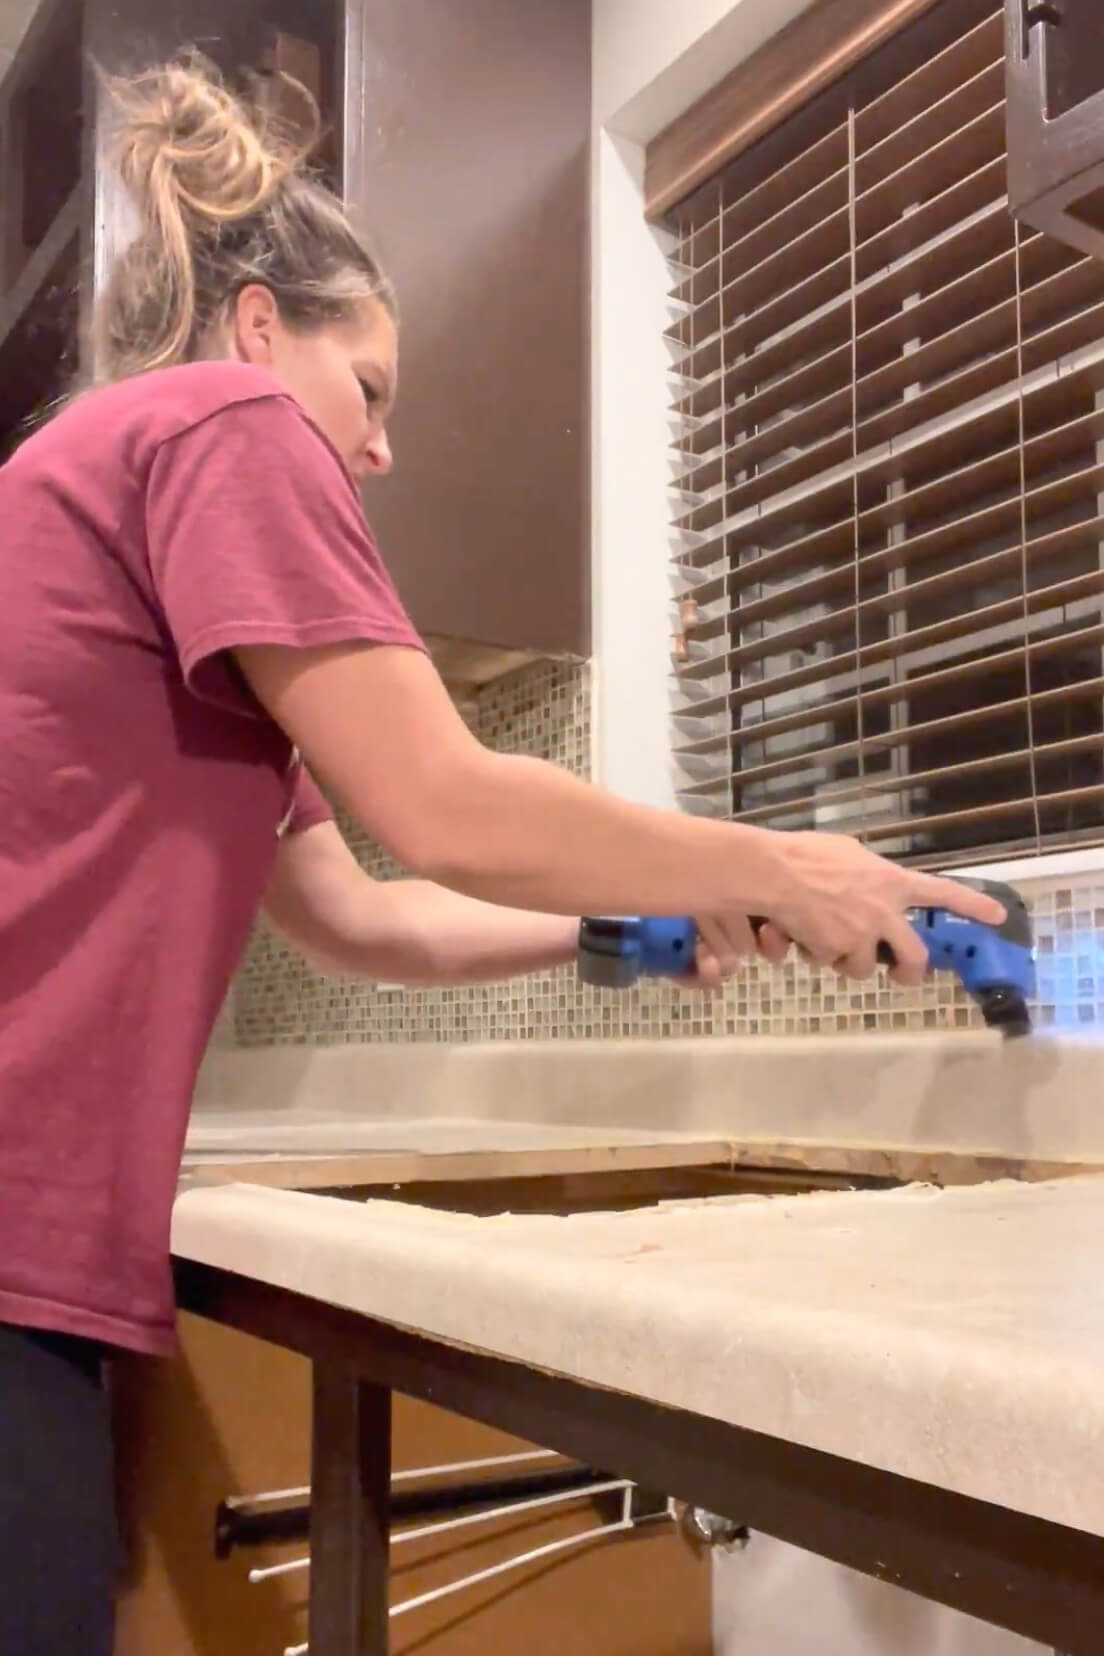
255 535
308 805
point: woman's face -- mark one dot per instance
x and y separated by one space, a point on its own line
344 374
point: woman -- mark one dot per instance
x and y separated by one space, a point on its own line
189 599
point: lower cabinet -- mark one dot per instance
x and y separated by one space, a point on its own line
232 1416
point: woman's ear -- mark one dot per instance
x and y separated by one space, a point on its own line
256 319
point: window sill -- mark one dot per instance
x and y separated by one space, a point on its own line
1057 865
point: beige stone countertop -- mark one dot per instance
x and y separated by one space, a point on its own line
968 1092
955 1336
947 1109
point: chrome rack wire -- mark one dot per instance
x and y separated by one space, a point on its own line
630 1519
462 1503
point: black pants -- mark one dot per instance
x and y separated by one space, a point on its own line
58 1550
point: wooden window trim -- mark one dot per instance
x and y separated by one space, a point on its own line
786 72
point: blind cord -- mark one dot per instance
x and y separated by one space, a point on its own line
1022 433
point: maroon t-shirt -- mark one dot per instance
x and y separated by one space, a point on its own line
143 533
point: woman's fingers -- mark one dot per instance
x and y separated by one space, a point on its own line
935 891
725 940
859 965
707 971
729 938
774 945
910 954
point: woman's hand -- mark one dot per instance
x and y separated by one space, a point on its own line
724 940
842 903
845 901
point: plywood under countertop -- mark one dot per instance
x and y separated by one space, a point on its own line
307 1154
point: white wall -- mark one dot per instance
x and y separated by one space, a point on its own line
652 58
773 1600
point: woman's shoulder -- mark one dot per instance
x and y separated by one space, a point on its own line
118 429
127 422
172 399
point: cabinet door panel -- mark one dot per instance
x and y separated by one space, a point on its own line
466 158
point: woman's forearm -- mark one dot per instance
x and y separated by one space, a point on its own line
401 931
440 938
377 725
531 835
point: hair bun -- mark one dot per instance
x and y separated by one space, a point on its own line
184 140
224 200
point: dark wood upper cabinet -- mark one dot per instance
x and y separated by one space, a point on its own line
1055 72
40 219
466 134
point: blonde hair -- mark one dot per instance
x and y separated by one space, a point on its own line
224 197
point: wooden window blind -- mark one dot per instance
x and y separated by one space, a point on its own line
889 493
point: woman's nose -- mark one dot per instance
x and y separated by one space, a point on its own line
380 458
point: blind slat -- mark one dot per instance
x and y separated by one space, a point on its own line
775 195
921 826
882 785
874 746
936 76
980 191
789 307
830 708
879 161
983 815
905 555
997 470
764 239
876 214
915 344
851 622
969 243
930 172
972 295
823 245
967 432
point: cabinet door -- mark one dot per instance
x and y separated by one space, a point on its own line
1055 72
466 135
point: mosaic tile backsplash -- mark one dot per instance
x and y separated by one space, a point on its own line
545 711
